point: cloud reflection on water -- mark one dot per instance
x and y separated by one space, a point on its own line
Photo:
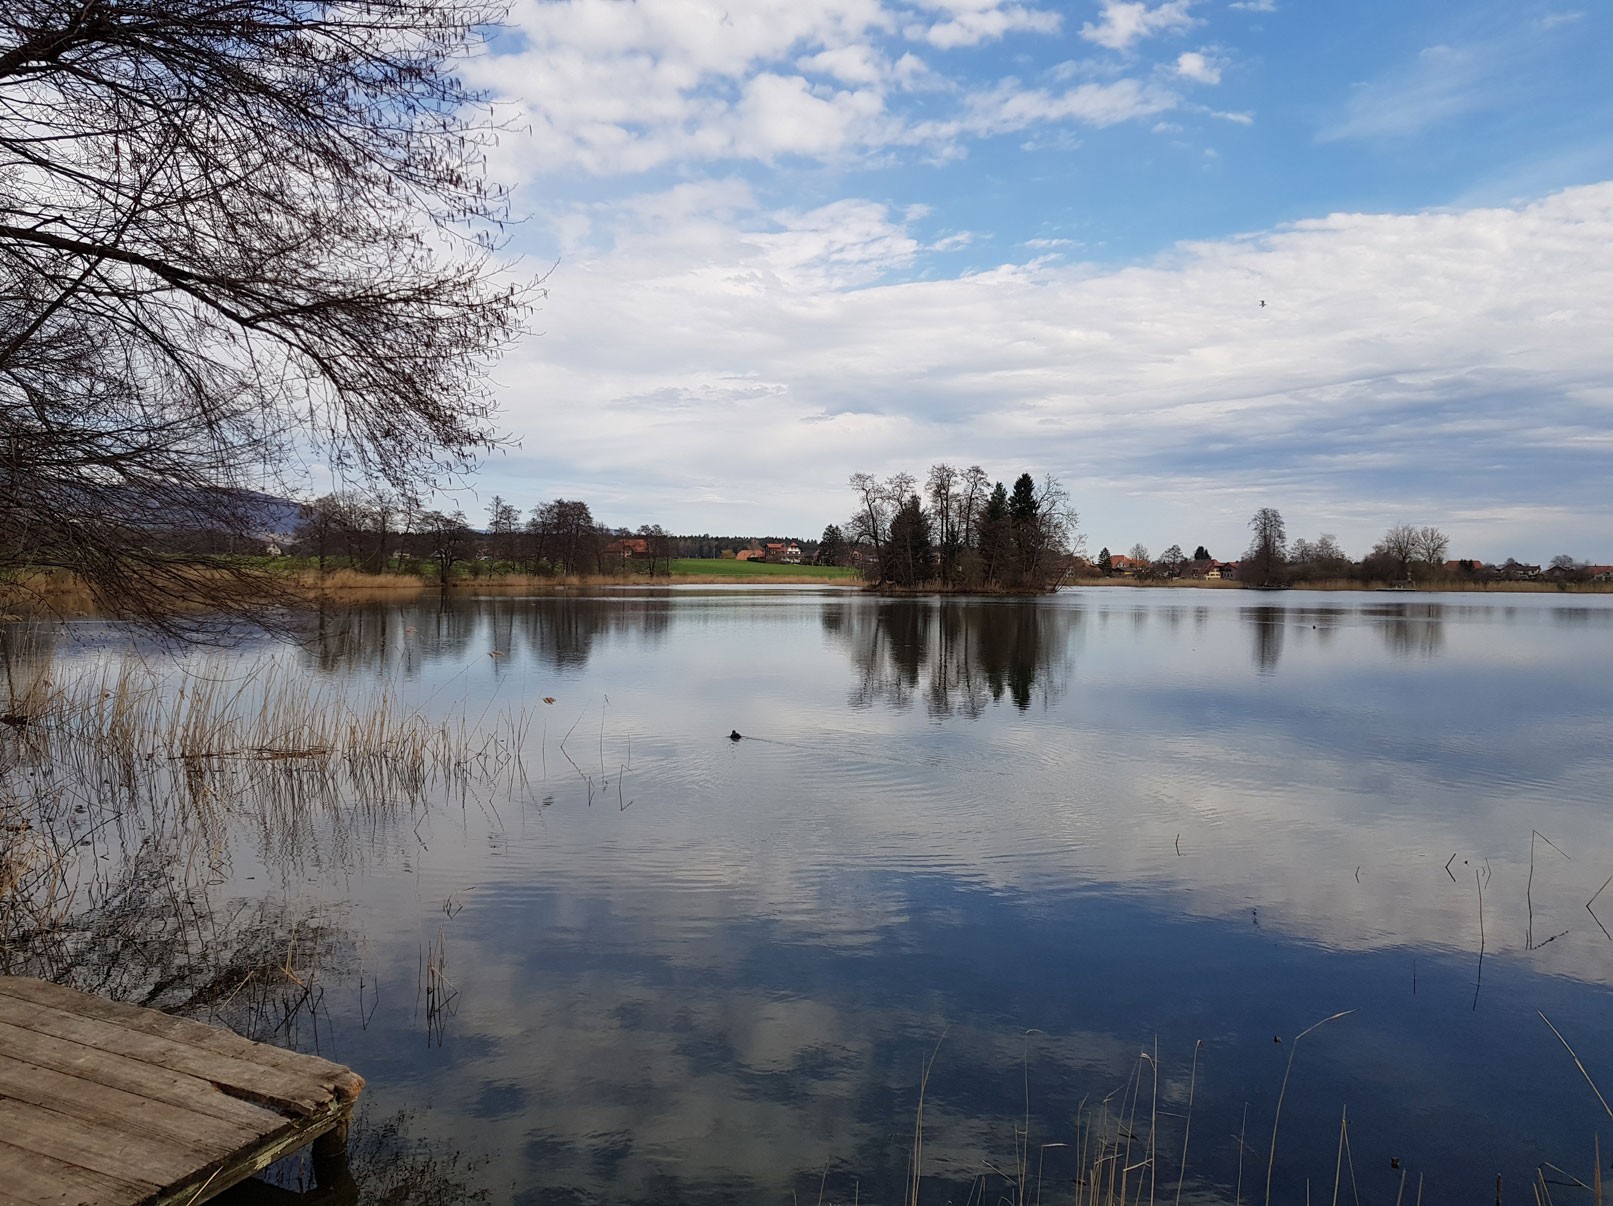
734 981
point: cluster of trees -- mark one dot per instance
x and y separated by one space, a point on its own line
378 533
1565 567
1405 554
1172 563
964 532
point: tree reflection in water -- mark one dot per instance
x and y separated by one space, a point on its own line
557 631
1267 625
959 656
389 1167
1411 629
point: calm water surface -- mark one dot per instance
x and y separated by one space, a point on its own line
1031 839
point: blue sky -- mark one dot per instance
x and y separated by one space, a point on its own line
793 241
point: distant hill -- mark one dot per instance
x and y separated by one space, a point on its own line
271 515
249 513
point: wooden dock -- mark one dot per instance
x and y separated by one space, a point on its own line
103 1104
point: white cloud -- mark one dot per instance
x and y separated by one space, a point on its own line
848 64
969 24
1554 20
779 115
1253 6
1193 65
1123 22
1009 106
775 352
1441 83
613 89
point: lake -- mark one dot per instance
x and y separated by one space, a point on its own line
1083 867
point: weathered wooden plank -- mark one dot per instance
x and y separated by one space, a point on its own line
112 1153
117 1109
239 1077
297 1134
133 1076
103 1104
176 1029
163 1174
42 1181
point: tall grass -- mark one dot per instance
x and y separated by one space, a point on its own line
123 787
1121 1157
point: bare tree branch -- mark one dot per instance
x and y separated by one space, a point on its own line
237 237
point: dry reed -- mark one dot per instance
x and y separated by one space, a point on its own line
122 787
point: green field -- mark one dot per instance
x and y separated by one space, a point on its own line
727 568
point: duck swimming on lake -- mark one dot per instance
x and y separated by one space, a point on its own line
734 736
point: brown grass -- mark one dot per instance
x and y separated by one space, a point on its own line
64 595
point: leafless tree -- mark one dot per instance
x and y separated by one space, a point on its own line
236 237
446 540
1399 548
1404 546
878 500
941 487
1169 563
1431 546
503 528
564 538
1321 558
871 520
657 547
1265 562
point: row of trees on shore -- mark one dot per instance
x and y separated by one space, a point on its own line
1406 554
379 533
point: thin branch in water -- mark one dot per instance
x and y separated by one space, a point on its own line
1529 890
1592 900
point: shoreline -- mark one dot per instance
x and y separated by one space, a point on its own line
60 597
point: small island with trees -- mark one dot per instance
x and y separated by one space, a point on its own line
974 535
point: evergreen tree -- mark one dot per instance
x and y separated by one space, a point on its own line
1201 554
832 548
995 535
910 550
1024 514
1106 565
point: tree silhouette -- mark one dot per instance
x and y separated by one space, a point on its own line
236 237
